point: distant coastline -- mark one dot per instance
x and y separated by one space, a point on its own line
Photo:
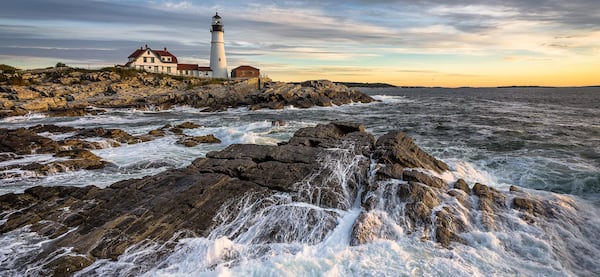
366 85
8 69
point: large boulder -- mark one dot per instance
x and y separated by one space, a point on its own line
397 150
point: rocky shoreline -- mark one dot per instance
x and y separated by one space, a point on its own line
389 175
76 92
73 151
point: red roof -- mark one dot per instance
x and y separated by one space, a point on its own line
165 53
184 66
136 53
245 67
161 53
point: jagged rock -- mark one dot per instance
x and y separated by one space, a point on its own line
529 205
462 185
325 135
398 148
176 130
447 227
390 171
278 123
420 200
54 129
24 93
188 125
43 104
68 80
69 144
490 200
22 141
116 134
489 193
6 104
366 229
8 156
67 265
515 189
461 196
424 178
189 141
79 159
157 133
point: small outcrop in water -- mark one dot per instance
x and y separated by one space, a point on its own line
114 134
78 159
191 141
295 192
23 141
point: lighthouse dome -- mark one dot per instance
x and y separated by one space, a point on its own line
216 20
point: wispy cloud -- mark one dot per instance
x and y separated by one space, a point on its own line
293 35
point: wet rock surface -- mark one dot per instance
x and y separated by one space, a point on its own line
75 92
73 151
210 193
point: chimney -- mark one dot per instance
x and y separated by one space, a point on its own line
146 46
165 48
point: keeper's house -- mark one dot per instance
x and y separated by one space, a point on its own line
162 61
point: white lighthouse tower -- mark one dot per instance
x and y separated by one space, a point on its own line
218 62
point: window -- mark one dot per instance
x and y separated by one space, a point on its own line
168 69
152 60
156 68
145 60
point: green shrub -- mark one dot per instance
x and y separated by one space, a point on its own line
7 69
16 80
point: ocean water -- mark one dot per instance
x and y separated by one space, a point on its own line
545 140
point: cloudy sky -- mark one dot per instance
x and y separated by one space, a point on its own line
404 42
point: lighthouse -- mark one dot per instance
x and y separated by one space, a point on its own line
218 62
